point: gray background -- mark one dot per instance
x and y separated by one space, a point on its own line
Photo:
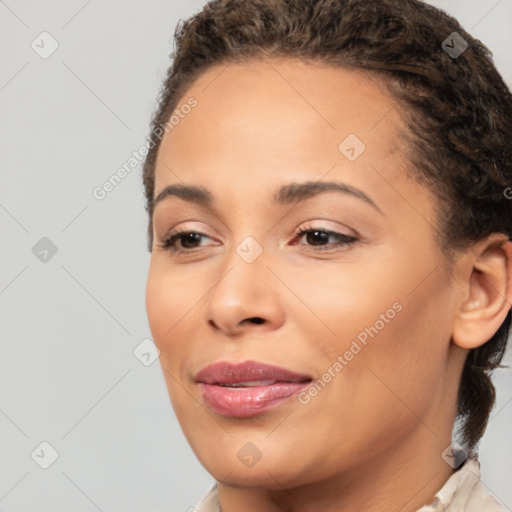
70 325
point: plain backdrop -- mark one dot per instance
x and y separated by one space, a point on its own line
73 374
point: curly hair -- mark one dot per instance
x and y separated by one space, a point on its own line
457 108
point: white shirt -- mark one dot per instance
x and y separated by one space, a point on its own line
462 492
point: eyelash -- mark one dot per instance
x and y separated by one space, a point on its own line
169 243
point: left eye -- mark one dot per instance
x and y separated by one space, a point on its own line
319 237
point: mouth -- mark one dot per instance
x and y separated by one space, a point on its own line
246 389
249 384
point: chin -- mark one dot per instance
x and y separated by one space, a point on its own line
238 463
272 477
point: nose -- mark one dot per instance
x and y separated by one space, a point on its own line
244 298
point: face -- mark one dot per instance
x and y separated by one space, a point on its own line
341 284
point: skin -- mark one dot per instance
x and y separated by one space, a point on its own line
387 416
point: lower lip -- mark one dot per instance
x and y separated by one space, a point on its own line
249 401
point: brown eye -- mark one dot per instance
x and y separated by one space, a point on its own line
319 238
188 241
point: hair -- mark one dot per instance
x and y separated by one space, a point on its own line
458 113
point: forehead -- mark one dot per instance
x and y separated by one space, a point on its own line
263 123
281 110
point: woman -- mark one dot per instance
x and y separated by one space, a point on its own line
331 266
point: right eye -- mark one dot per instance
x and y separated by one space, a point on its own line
188 241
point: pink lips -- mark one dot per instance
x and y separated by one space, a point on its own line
246 389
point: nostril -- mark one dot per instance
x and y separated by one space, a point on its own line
257 320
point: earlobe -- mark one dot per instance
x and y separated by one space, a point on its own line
488 293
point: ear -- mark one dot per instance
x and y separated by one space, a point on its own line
487 291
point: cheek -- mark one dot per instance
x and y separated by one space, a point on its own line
167 305
168 302
388 388
397 372
393 338
345 304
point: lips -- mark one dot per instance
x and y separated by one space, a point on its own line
226 373
248 388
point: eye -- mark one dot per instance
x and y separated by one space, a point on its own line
318 238
188 241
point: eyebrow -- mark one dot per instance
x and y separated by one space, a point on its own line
286 194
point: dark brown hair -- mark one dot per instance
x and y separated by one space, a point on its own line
457 108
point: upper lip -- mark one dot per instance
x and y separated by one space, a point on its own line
226 372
